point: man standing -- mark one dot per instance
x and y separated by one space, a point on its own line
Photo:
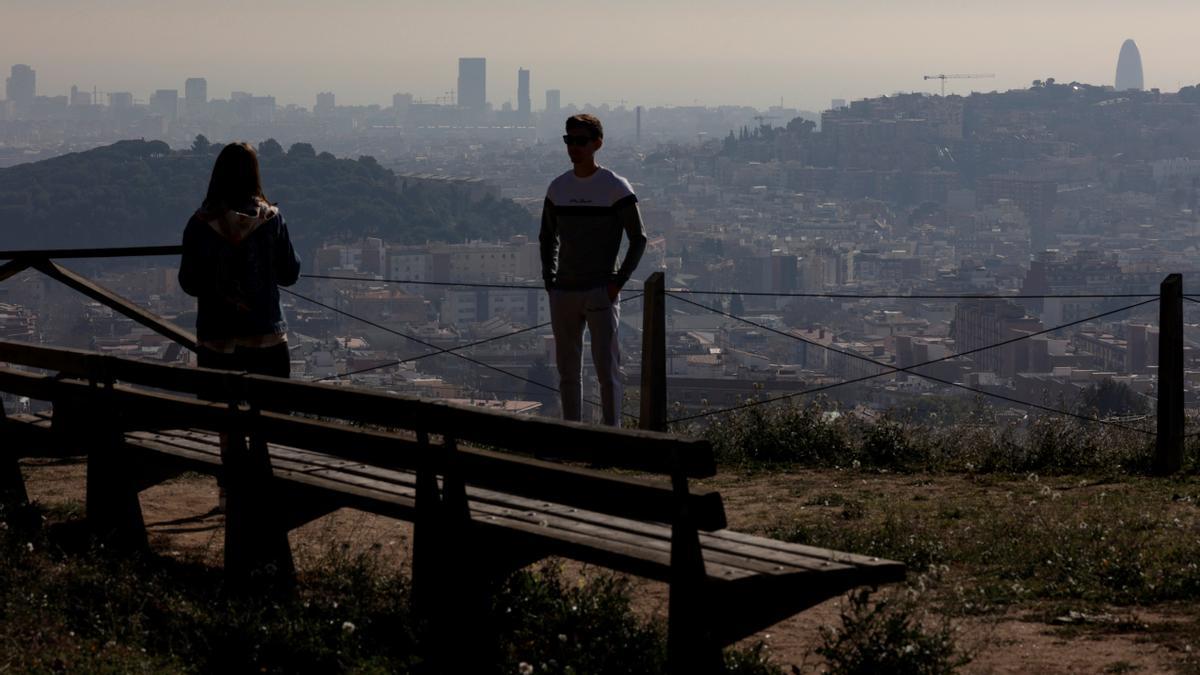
586 210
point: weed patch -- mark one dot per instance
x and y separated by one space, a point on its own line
1126 544
67 606
889 634
819 434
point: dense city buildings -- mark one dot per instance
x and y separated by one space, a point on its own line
815 227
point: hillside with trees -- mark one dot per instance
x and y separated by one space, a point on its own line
142 193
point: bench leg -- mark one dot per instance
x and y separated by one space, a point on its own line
690 645
426 571
256 544
456 578
12 484
114 513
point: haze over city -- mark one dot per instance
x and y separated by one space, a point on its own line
661 53
874 316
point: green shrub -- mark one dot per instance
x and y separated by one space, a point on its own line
888 635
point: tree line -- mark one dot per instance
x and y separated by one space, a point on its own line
139 192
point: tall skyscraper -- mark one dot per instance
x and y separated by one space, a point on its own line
524 103
1129 67
553 101
326 102
165 102
21 86
195 96
472 83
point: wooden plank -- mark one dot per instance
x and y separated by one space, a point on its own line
73 361
207 383
219 385
628 448
739 556
115 252
718 562
337 475
811 551
722 542
616 555
583 488
383 449
487 502
361 405
33 385
13 268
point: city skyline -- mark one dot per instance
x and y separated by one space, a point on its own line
371 51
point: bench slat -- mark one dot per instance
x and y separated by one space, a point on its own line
583 488
490 505
640 450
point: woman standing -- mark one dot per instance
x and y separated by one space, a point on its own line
236 255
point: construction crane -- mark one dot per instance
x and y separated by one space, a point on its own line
943 78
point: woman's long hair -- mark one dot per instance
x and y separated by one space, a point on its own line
235 181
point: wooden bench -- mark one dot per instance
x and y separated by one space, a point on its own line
479 512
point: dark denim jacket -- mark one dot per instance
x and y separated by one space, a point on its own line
237 283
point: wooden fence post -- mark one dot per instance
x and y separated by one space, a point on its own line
1168 455
654 354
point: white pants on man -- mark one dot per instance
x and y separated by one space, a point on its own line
570 311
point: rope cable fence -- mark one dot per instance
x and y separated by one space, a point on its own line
687 291
889 369
439 350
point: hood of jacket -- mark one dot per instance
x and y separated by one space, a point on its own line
237 224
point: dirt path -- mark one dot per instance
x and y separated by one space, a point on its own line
181 520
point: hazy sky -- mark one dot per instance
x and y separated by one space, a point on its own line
649 52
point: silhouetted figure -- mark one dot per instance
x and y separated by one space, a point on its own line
585 212
236 254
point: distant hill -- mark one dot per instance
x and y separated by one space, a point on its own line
142 193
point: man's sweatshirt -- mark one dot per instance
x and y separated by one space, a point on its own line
582 222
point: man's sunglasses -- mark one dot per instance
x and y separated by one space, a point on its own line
578 141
